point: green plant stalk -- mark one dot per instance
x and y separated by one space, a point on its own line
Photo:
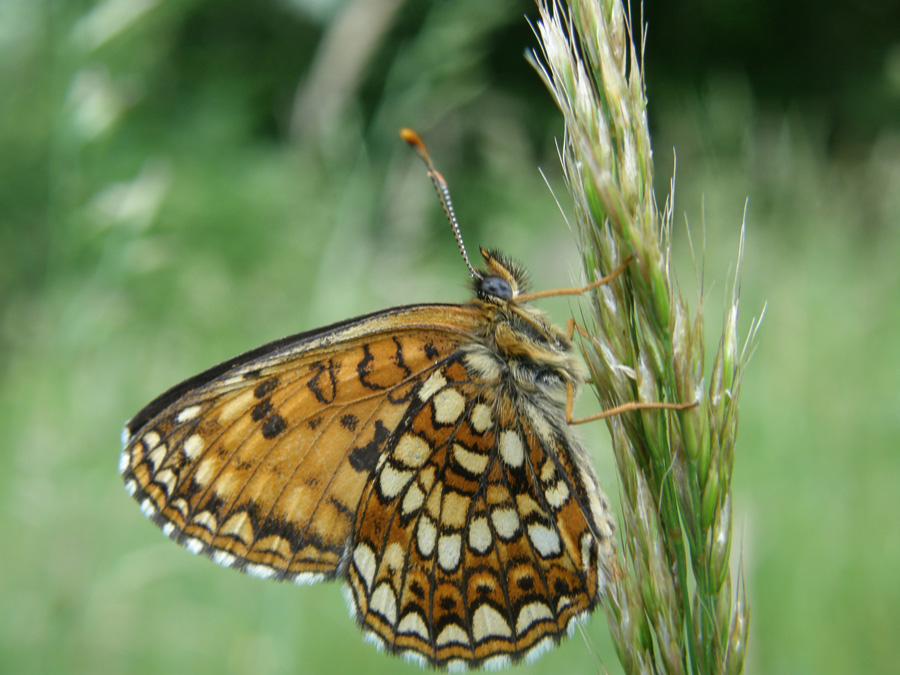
670 607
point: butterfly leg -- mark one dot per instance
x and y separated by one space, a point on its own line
577 290
571 327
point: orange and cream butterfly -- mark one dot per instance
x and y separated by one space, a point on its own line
421 454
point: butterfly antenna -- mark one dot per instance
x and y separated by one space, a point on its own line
440 185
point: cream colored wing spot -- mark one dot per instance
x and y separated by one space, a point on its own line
150 440
558 495
365 563
239 527
392 481
488 622
156 456
545 540
548 470
511 449
506 522
426 536
374 639
206 520
481 418
587 543
597 510
452 634
412 500
347 590
188 414
413 623
205 472
411 451
167 479
542 647
449 546
434 383
449 404
498 662
193 446
180 504
531 614
384 602
480 535
473 462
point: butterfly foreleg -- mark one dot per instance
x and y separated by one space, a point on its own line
576 290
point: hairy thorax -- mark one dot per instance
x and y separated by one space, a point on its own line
528 361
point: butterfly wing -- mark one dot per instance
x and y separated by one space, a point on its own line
483 534
261 462
461 510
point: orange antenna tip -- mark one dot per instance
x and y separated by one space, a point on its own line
411 137
418 145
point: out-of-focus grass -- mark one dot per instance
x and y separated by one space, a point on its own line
817 448
184 229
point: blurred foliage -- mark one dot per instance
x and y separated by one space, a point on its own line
834 62
185 180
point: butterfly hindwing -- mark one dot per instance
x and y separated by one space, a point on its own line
474 540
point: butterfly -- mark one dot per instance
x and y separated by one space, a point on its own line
422 454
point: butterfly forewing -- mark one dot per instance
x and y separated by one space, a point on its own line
262 467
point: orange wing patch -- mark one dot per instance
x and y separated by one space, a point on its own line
262 468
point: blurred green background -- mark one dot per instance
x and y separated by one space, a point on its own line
181 181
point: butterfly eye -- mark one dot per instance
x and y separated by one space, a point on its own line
497 287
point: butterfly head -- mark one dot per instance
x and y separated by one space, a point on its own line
529 347
502 280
